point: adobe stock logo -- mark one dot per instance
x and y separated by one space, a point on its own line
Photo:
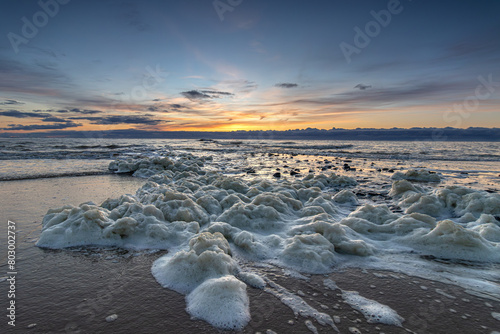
221 7
372 29
30 28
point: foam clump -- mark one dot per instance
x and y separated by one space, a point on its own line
373 311
122 222
487 226
345 197
419 175
450 240
343 238
222 302
148 166
323 181
404 188
252 217
453 201
208 257
252 279
206 274
309 253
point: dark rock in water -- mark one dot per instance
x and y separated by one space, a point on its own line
347 160
324 168
278 174
391 170
311 171
385 169
249 170
286 166
278 169
347 167
293 173
465 173
352 169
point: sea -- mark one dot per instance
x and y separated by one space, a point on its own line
223 225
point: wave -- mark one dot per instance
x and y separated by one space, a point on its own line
47 176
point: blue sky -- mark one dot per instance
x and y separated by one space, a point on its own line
241 64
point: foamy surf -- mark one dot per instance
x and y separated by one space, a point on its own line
212 223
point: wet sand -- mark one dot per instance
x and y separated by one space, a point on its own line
74 291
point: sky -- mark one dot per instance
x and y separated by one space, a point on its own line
225 65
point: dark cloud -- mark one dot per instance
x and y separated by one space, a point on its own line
177 106
54 119
21 114
85 111
195 95
120 120
216 93
60 126
362 86
11 102
286 85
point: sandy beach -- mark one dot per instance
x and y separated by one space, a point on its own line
73 291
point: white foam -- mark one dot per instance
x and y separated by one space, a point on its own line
304 225
298 305
185 270
252 279
222 302
373 311
452 241
420 175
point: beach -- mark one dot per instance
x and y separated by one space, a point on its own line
74 290
70 292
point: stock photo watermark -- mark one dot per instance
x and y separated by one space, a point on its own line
461 111
31 27
222 7
362 38
11 273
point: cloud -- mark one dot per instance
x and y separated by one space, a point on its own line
85 111
60 126
216 93
195 95
286 85
177 106
115 119
362 86
54 119
11 102
21 114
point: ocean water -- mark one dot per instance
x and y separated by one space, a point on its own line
229 212
47 157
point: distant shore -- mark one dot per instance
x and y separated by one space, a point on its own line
394 134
